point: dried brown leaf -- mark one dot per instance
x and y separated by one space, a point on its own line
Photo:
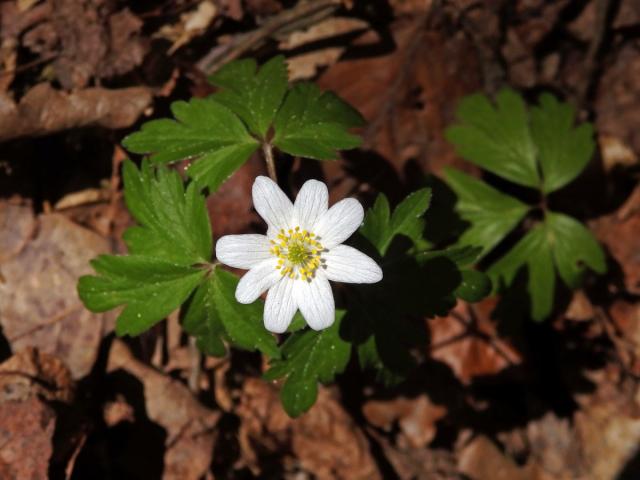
482 460
190 426
44 110
620 235
469 344
28 380
25 438
31 373
41 307
325 441
416 418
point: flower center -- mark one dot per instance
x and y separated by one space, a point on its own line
298 253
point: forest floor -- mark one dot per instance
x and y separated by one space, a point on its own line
559 400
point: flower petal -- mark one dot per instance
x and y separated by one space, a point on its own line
315 301
280 306
272 204
339 222
242 251
311 203
346 264
257 280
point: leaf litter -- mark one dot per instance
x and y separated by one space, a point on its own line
484 404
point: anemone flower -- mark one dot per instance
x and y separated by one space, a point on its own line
300 253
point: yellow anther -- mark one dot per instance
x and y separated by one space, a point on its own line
298 253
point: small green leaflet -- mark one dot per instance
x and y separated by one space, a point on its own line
213 314
497 139
174 223
534 252
563 151
309 357
200 318
574 249
473 285
561 241
314 124
203 129
516 145
254 95
492 214
380 227
150 288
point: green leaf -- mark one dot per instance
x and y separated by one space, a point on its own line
149 287
298 323
174 223
497 138
574 249
254 95
491 213
380 227
542 283
563 151
242 323
474 287
561 241
314 124
534 252
201 319
309 357
215 168
201 128
463 256
213 314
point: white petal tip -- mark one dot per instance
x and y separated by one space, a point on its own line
242 299
262 180
321 326
276 329
376 276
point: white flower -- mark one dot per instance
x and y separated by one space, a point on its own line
301 252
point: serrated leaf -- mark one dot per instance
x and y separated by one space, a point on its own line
201 127
574 249
491 213
497 138
253 94
150 288
534 252
314 124
563 151
213 169
380 227
201 319
309 357
242 323
213 314
174 223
